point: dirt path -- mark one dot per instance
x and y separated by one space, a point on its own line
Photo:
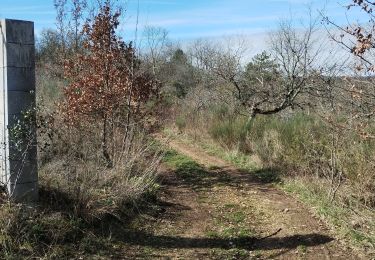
222 213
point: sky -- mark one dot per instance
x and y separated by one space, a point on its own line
186 20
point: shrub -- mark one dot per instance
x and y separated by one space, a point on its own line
307 145
226 129
180 122
78 170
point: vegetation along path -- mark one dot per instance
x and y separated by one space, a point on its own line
211 210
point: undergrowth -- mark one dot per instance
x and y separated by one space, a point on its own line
81 199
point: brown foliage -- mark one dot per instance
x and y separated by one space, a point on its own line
104 81
357 93
362 40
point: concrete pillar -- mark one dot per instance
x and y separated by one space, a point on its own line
18 157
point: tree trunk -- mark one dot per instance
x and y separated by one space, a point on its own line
249 122
246 130
106 155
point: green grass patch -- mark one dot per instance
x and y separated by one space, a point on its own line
230 206
241 160
236 232
237 217
184 166
230 222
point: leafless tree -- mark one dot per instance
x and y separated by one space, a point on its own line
69 19
294 54
296 51
156 40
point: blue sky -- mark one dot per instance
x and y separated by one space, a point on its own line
189 19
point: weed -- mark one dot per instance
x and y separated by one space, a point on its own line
237 217
302 249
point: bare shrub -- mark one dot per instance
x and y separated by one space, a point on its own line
94 190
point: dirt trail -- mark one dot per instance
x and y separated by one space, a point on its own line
229 214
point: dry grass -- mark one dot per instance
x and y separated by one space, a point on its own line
78 196
98 190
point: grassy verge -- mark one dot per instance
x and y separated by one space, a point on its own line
357 226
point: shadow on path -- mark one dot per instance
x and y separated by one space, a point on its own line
140 238
193 175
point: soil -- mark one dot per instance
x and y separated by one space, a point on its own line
229 214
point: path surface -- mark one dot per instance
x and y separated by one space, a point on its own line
229 214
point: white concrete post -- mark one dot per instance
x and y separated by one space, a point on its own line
18 160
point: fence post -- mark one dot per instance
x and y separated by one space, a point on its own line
18 158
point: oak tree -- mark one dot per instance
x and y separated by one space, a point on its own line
104 84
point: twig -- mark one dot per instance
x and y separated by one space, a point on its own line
273 234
